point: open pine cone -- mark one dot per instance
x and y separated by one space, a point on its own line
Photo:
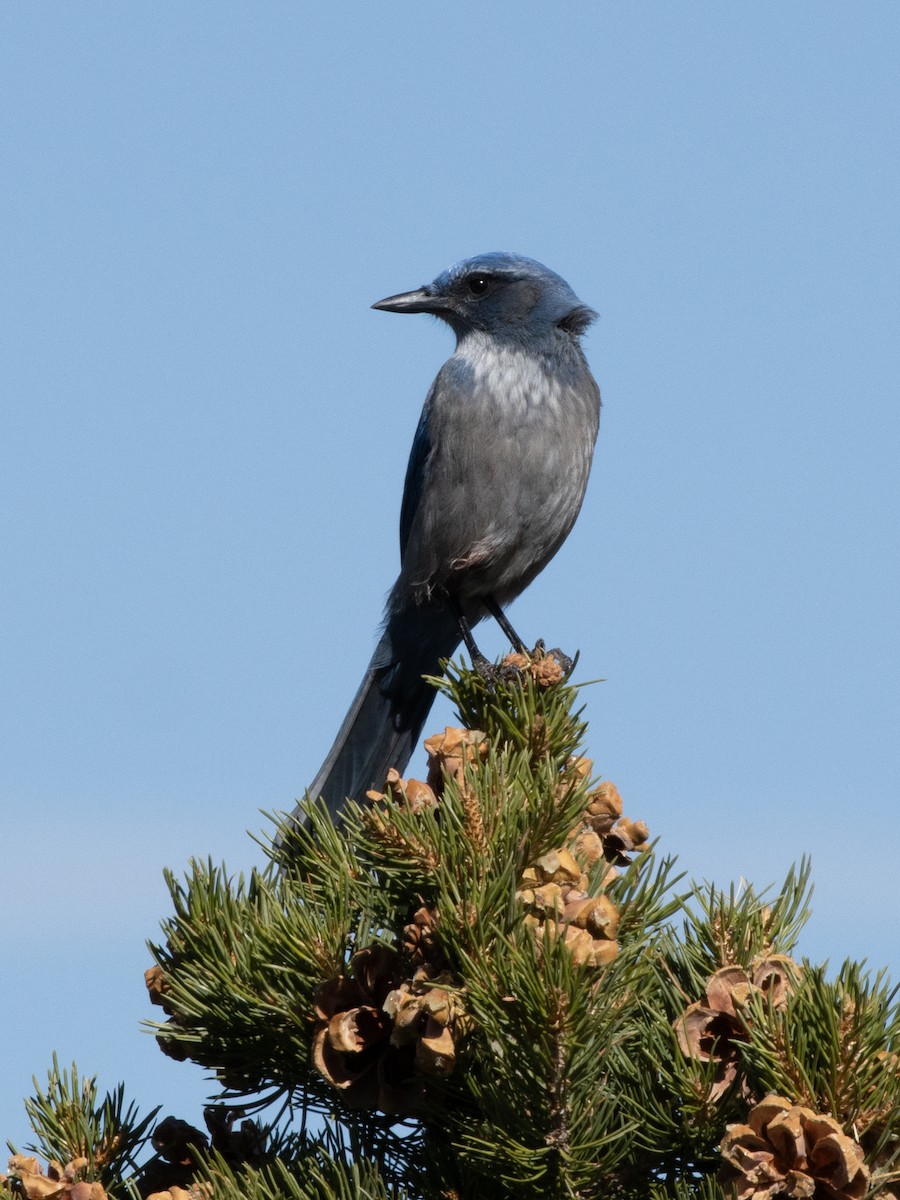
378 1033
710 1031
63 1182
787 1150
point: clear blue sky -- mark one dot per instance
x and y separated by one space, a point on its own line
204 430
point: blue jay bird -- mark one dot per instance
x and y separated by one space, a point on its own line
496 477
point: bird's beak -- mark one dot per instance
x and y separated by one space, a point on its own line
423 299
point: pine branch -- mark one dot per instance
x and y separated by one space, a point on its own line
487 983
72 1125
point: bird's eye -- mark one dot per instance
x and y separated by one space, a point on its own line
477 284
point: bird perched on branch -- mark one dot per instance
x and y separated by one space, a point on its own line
496 477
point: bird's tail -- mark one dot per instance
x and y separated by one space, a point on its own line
387 714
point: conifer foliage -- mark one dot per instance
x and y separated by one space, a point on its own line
486 984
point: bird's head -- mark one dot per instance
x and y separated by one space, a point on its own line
503 295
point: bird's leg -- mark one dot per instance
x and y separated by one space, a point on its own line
479 662
500 617
566 663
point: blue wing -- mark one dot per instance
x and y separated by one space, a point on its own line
415 476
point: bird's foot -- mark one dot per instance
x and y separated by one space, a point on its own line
489 672
566 663
546 666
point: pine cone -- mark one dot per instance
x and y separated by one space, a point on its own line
352 1032
194 1192
412 792
241 1146
544 666
604 831
421 943
428 1012
554 893
710 1031
788 1150
61 1181
604 807
158 988
575 772
375 1028
448 752
177 1142
625 837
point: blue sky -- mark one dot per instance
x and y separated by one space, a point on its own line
204 431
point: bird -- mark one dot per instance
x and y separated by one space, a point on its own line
496 478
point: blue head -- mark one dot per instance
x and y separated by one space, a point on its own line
503 295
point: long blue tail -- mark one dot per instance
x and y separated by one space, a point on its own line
385 720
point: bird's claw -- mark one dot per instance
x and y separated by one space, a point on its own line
519 662
566 663
489 672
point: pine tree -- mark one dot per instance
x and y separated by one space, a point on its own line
488 984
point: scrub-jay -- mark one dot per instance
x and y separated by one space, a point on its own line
496 476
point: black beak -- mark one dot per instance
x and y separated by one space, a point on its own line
421 300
